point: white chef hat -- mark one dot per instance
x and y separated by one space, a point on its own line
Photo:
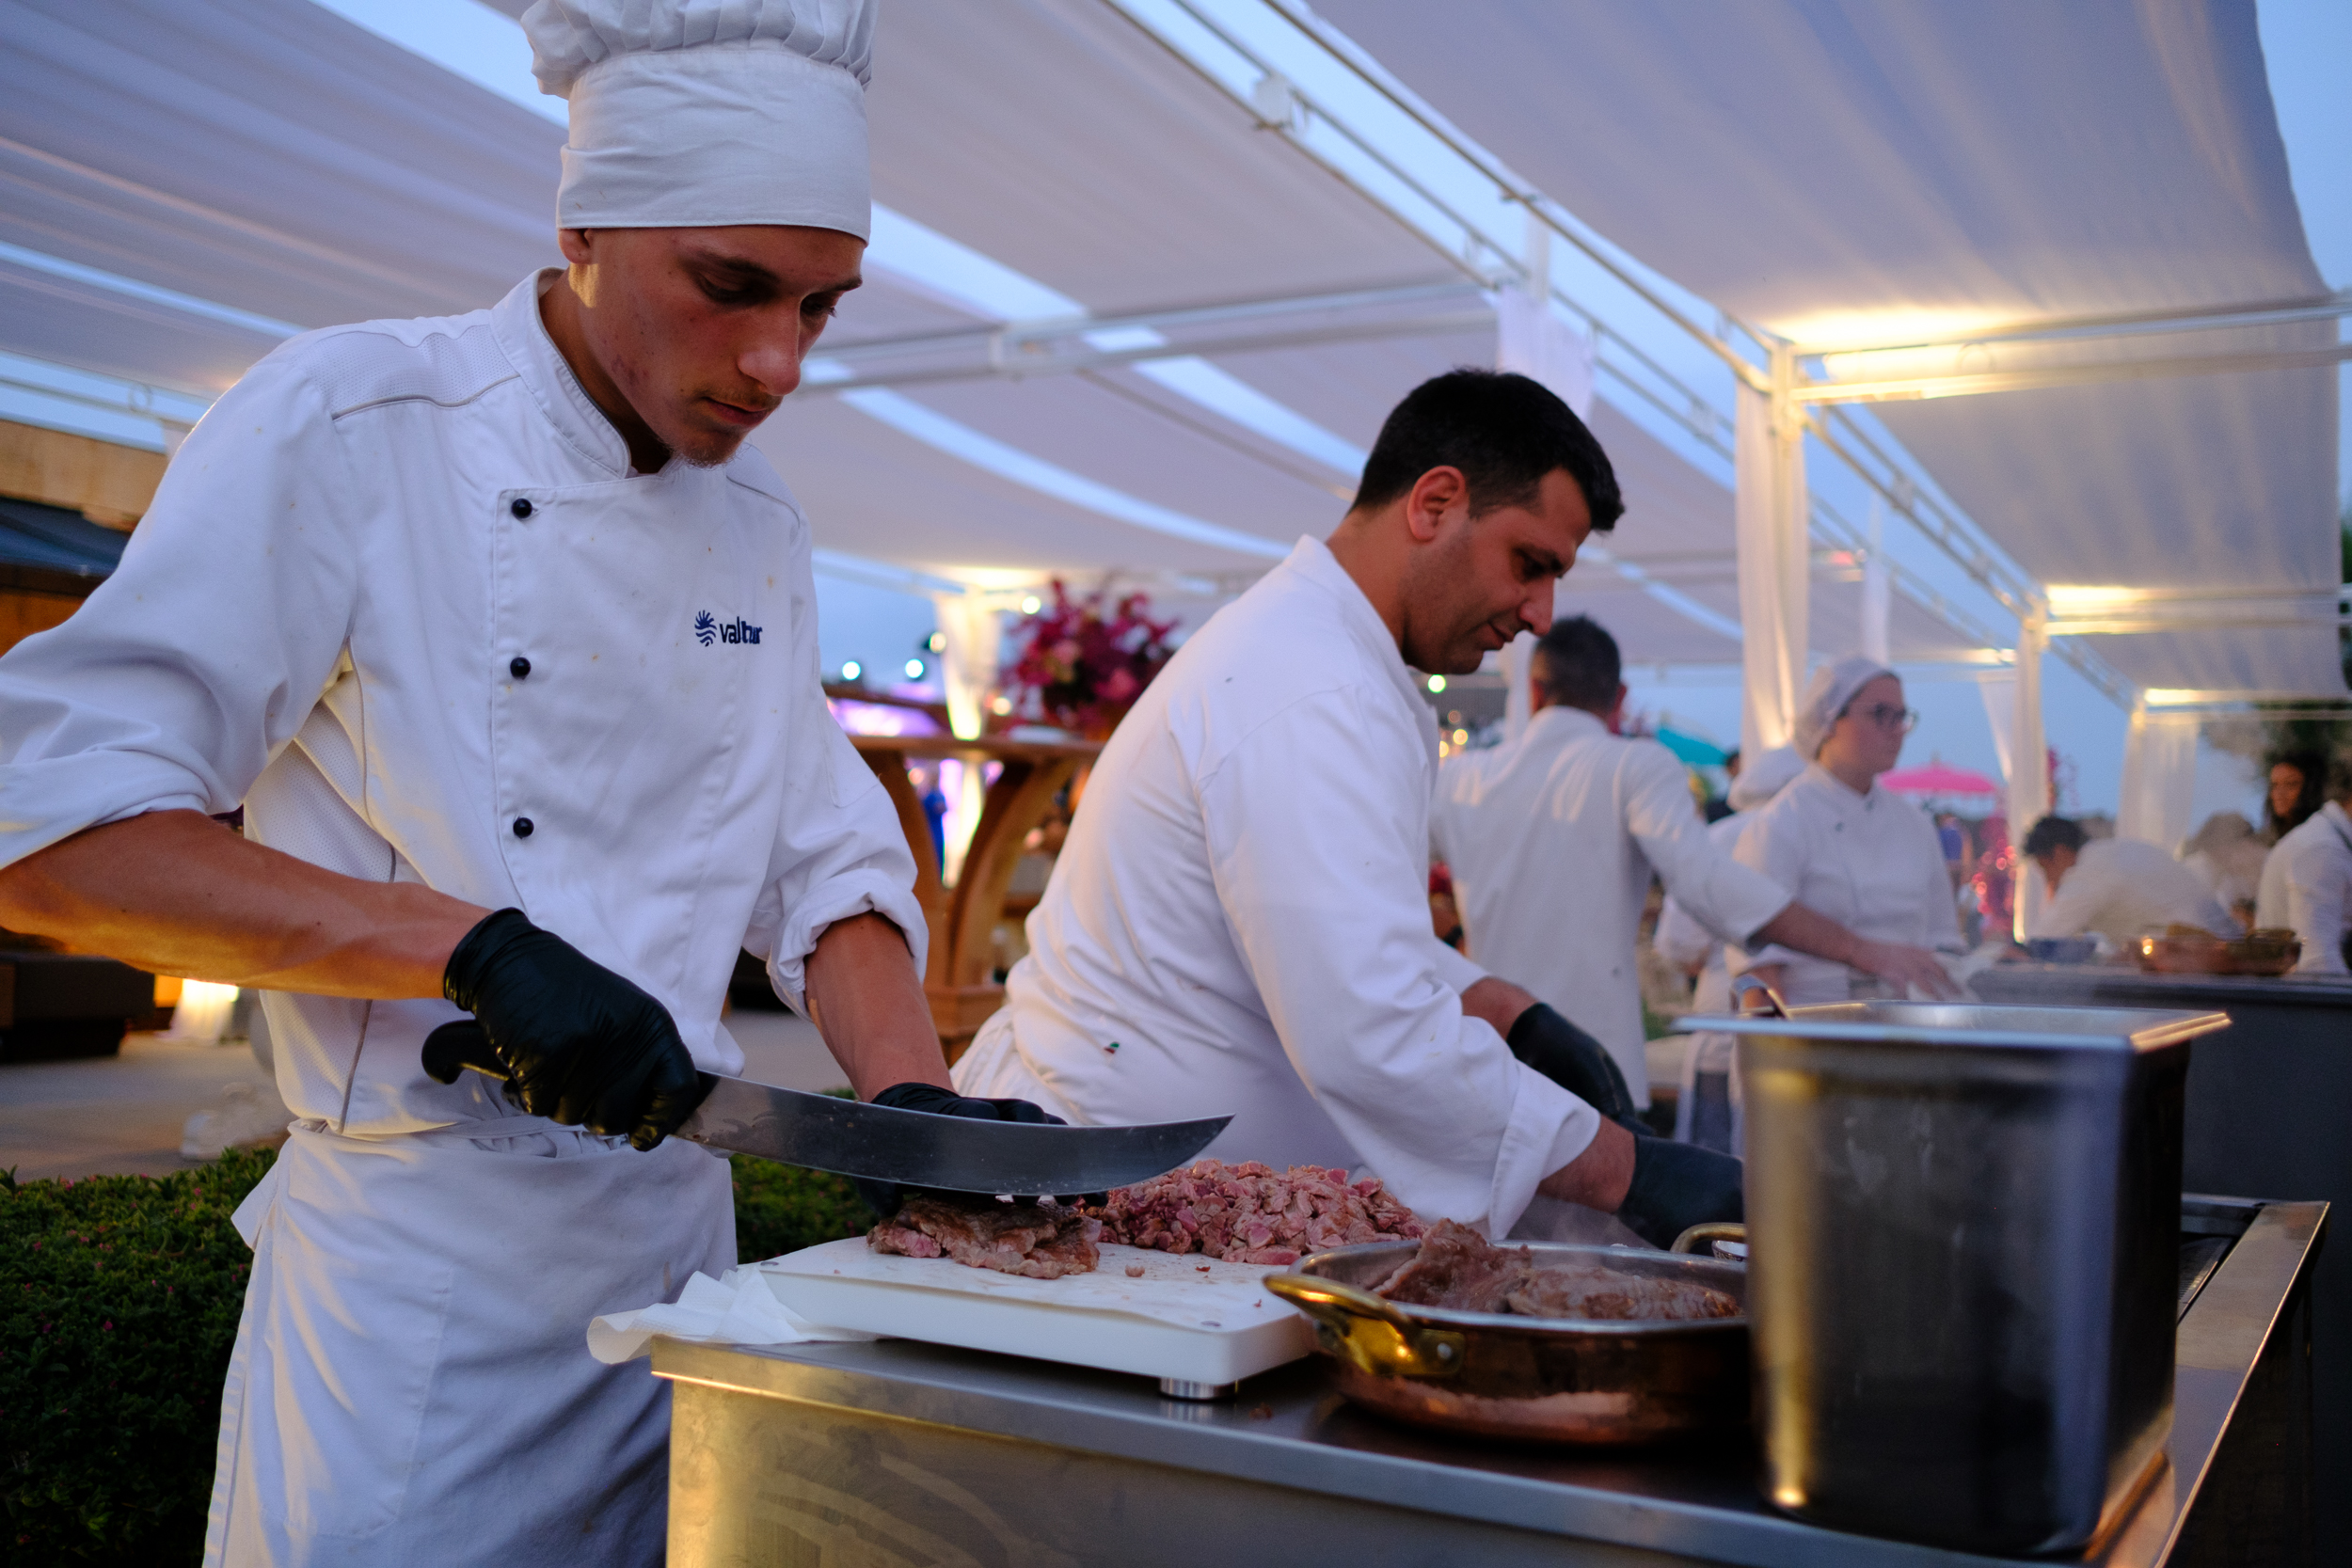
1765 777
691 114
1832 687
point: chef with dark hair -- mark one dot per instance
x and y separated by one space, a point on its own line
1239 921
440 603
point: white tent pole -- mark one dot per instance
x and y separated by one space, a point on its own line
2029 767
1878 585
1769 515
968 672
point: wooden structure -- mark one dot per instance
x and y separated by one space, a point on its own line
960 977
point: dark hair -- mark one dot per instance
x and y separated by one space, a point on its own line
1505 432
1576 663
2314 768
2053 832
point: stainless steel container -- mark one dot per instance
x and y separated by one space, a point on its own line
1963 1253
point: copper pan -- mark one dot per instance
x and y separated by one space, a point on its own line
1551 1380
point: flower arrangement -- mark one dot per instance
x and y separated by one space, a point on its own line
1084 662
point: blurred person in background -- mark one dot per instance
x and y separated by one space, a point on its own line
1553 838
2116 887
1860 854
2307 882
1709 1106
2227 854
2298 781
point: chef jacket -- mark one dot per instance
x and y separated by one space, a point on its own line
1553 840
1870 862
2307 888
1239 923
401 596
2121 887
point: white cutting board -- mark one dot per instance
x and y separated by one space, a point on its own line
1192 1318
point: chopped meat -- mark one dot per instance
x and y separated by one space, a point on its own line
1459 1268
1248 1214
1134 1270
1040 1240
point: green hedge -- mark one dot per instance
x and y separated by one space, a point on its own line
119 1303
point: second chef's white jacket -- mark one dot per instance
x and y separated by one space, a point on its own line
1872 863
1553 840
401 596
2307 888
1239 923
2121 887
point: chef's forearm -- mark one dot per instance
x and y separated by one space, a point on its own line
1809 931
1599 1176
869 1003
1498 1002
175 892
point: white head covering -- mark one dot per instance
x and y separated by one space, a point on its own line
1832 687
1765 777
689 114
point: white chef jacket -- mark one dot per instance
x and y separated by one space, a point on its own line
325 615
1239 923
2307 888
2121 887
1553 840
1872 863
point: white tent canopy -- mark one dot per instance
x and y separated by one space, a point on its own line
1845 173
186 183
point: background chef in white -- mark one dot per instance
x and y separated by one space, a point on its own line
1239 920
2306 881
1860 854
2118 887
1554 837
424 596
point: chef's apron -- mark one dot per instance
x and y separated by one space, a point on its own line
412 1384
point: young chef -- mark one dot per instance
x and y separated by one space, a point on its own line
1864 857
2306 881
2118 887
496 613
1553 840
1239 920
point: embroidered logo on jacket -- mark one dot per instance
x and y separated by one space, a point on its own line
707 629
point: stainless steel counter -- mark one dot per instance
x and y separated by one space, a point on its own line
2267 1107
899 1452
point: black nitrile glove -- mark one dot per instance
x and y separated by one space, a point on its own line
1577 1062
1677 1186
884 1197
574 1042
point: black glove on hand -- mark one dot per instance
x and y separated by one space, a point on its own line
1577 1062
1677 1186
576 1042
884 1197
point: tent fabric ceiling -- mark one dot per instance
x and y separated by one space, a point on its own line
1846 172
271 157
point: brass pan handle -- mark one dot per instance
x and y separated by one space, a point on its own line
1745 986
1717 1230
1373 1335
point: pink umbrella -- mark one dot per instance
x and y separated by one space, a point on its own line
1938 778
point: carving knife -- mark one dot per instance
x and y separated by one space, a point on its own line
913 1148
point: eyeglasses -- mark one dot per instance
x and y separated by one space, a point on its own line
1901 720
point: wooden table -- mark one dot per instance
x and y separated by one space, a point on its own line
960 976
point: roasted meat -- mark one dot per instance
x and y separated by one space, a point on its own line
1248 1214
1040 1240
1459 1268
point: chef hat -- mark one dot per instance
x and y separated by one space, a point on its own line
1765 777
1832 687
689 114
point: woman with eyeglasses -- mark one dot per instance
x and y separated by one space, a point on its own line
1866 858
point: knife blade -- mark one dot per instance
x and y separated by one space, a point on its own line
916 1148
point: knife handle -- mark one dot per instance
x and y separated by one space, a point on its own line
454 1047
